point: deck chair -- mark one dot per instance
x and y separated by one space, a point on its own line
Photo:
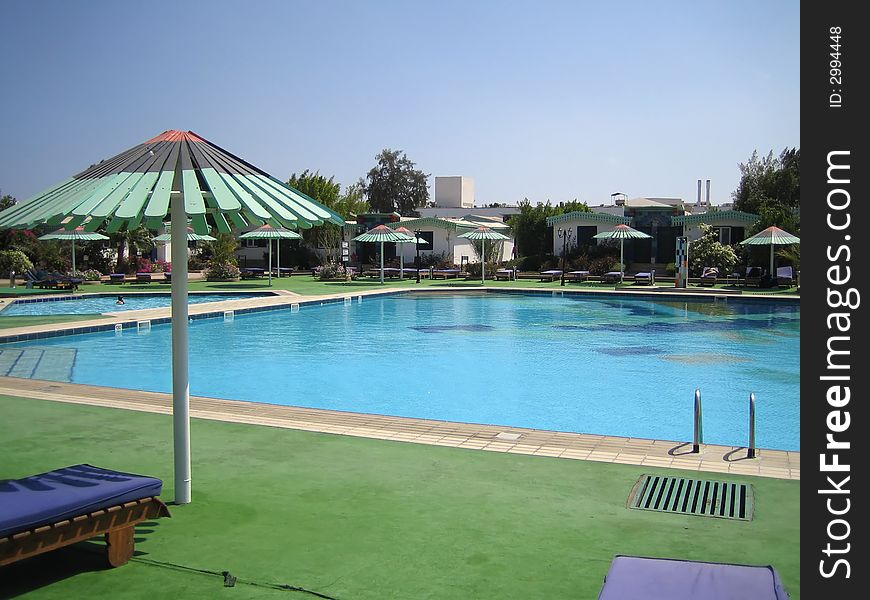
754 276
116 278
577 275
645 278
611 277
506 274
633 577
785 276
709 276
51 510
143 277
550 275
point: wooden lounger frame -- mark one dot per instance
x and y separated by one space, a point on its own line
115 522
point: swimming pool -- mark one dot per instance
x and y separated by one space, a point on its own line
616 365
86 305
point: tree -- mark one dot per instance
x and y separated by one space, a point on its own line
136 240
530 226
770 188
707 251
328 192
395 185
7 201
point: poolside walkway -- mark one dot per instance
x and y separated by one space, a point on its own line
492 438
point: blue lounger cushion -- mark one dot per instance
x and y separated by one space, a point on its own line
632 577
65 493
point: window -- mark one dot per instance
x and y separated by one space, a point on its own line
429 236
584 235
255 243
724 234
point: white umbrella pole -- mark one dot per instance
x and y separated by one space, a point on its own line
270 261
278 246
621 262
401 264
382 262
771 261
483 263
74 257
180 372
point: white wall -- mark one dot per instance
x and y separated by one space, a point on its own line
445 241
572 225
454 192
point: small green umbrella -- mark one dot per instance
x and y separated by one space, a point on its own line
74 235
270 233
412 239
773 236
484 233
621 232
381 234
191 236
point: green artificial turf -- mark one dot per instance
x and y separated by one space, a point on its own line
27 320
355 518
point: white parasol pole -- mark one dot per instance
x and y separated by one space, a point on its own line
401 263
771 260
180 372
483 264
382 262
278 246
621 262
74 256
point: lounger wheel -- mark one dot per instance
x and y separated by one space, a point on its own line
119 546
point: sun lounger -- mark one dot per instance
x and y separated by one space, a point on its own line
167 277
551 275
55 509
785 276
612 277
409 272
709 276
506 274
632 577
754 276
143 277
55 281
116 278
445 273
576 275
645 278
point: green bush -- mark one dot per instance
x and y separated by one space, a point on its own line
14 260
91 275
671 269
707 251
600 266
221 271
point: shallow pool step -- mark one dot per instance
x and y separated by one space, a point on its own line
53 364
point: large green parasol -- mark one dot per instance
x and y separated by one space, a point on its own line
183 176
77 234
270 233
773 236
621 232
483 233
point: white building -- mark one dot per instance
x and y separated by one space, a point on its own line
443 237
453 192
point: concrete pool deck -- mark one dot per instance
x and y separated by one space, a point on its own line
660 453
777 464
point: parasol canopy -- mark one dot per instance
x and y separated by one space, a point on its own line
267 232
621 232
191 236
772 236
183 176
74 235
483 233
412 239
381 234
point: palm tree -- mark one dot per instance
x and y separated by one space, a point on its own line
136 240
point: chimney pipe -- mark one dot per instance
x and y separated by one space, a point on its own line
699 193
708 192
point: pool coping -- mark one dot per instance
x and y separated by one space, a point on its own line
777 464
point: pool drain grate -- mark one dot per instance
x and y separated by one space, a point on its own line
722 499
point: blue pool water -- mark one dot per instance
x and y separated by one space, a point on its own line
103 304
615 365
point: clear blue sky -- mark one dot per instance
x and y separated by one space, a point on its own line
538 99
